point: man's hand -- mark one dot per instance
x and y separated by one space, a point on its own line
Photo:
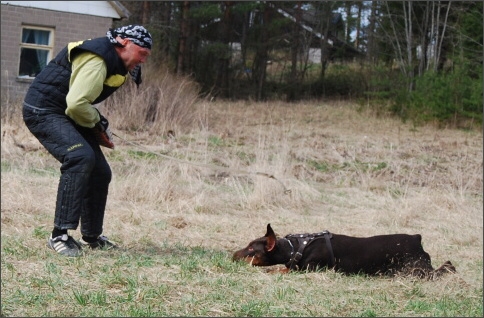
102 124
103 135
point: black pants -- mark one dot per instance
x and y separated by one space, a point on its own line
85 173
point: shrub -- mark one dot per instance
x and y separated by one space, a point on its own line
452 99
448 98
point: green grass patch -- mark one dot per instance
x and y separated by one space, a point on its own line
178 280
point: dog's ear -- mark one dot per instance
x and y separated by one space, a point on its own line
270 231
271 238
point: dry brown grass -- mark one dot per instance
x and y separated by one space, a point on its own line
348 172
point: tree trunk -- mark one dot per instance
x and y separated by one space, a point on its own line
358 24
261 56
326 19
348 5
184 29
395 41
145 18
440 54
370 51
222 78
166 21
409 39
424 40
295 48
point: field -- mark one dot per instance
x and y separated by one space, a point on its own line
180 206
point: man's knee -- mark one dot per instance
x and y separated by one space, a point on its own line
81 159
103 172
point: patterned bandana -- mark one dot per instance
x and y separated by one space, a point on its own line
139 36
135 33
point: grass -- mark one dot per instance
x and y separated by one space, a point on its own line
178 224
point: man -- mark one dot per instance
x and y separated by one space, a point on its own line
58 110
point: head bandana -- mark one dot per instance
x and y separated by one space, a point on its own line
139 36
135 33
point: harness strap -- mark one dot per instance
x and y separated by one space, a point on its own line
327 237
296 257
291 263
305 240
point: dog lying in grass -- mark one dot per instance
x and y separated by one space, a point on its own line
394 254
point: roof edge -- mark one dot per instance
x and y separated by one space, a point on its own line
120 9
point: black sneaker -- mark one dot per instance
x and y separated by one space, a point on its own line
101 243
64 245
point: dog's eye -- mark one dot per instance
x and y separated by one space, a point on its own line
250 249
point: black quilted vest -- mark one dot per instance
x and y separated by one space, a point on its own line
50 87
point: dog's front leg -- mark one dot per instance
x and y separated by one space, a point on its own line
278 270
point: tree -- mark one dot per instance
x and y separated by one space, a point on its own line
370 31
325 13
222 79
261 36
184 34
295 49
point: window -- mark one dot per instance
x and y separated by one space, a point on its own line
35 50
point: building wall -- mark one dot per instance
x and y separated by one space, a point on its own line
68 27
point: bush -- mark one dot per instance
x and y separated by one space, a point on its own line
452 99
448 98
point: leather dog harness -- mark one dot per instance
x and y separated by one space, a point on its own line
304 240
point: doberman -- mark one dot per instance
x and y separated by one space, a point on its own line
394 254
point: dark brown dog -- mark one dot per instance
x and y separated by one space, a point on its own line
395 254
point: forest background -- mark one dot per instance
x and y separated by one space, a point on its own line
386 55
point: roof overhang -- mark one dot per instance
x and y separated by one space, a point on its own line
108 9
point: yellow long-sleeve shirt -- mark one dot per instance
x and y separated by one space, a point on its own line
89 72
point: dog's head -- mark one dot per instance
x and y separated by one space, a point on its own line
261 251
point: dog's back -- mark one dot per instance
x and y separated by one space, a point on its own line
381 254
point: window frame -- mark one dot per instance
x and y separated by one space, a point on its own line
33 46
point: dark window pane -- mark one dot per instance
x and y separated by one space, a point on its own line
32 61
40 37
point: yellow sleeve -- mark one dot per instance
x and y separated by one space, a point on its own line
88 75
